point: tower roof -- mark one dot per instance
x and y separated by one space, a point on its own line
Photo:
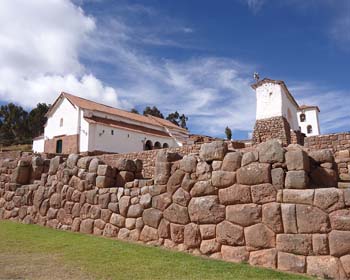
306 107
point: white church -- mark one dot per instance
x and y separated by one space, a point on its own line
77 125
273 99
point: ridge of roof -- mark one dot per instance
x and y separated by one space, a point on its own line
167 123
95 106
278 82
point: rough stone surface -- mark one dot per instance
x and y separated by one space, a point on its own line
278 177
271 151
263 193
339 243
289 218
296 180
259 236
235 194
202 188
324 177
223 179
177 214
232 161
340 220
152 217
320 244
254 174
229 234
244 214
265 258
299 244
311 219
326 267
206 210
192 236
213 151
250 157
291 262
271 216
297 160
234 254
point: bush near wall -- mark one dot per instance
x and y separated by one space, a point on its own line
271 206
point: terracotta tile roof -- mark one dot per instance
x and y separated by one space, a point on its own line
127 126
267 80
305 107
167 123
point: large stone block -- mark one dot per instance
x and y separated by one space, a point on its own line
181 197
86 226
311 219
192 236
188 164
234 254
105 170
329 200
271 151
235 195
161 201
320 244
259 236
232 161
202 188
278 177
213 151
148 234
54 164
223 179
250 157
229 234
322 156
126 165
289 218
206 210
164 229
297 160
209 247
297 180
175 181
177 214
254 174
291 262
298 196
339 243
265 258
326 267
177 233
207 231
152 217
345 261
72 160
263 193
271 216
299 244
21 175
244 214
340 220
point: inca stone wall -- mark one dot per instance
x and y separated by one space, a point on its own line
336 142
272 206
272 128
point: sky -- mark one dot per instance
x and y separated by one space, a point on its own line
194 56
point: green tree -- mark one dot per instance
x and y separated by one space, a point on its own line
174 118
134 110
154 111
37 119
183 121
228 133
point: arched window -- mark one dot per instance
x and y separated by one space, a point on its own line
309 129
165 146
302 117
61 122
148 145
157 145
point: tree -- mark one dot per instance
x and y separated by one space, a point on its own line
174 118
179 120
37 119
228 133
134 110
154 111
183 121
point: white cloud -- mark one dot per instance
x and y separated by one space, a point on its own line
40 43
255 5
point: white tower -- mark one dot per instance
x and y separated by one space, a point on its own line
308 120
273 99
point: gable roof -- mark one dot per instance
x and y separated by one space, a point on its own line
95 106
277 82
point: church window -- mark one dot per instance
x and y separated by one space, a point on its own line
112 132
302 117
61 122
309 129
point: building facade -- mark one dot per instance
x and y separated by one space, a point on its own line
278 115
76 125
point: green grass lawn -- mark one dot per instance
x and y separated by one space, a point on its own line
34 252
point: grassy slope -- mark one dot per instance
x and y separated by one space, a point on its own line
86 256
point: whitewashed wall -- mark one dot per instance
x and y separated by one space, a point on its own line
292 118
122 141
84 133
38 145
70 117
311 119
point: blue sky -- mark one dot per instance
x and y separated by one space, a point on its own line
197 57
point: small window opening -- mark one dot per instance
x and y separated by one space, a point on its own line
309 129
112 132
302 117
61 122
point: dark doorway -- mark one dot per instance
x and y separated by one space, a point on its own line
59 147
148 145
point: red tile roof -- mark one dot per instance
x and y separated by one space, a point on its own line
305 107
94 106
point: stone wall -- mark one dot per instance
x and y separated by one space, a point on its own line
336 142
272 128
272 207
148 157
69 144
